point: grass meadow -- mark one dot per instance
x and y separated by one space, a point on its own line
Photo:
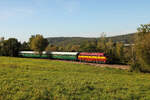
43 79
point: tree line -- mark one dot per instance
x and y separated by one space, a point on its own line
137 55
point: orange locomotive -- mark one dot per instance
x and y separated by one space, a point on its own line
92 57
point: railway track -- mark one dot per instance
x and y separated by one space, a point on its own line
125 67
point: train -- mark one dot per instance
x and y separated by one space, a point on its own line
72 56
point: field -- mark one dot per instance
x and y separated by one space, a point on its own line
41 79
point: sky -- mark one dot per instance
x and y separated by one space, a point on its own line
71 18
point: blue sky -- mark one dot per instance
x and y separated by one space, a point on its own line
85 18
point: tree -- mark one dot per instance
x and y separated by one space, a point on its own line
113 51
1 44
38 43
10 47
101 45
25 47
60 48
143 29
31 38
88 46
68 47
128 54
51 48
142 49
119 53
109 51
75 48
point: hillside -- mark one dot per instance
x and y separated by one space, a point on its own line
71 40
128 38
78 40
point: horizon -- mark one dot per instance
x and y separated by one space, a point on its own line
5 38
71 18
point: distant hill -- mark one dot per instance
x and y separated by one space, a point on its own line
62 41
128 38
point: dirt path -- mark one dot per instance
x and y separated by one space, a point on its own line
126 67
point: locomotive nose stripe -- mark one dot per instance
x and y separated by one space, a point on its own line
92 57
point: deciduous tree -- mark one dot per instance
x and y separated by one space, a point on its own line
38 43
10 47
142 49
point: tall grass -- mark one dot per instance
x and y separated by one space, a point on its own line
38 79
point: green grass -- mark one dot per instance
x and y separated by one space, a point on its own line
41 79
